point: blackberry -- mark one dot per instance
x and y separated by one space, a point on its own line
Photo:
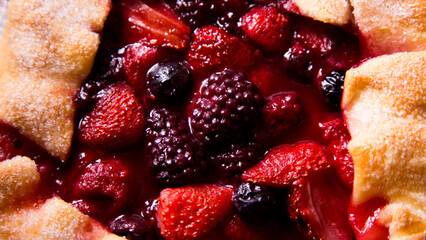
196 13
253 203
226 104
175 157
133 227
168 81
332 88
234 159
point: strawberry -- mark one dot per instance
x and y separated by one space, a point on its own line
192 211
116 121
268 28
138 58
213 48
319 204
285 164
337 137
154 24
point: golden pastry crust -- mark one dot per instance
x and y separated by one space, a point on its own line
336 12
22 217
48 49
389 26
384 104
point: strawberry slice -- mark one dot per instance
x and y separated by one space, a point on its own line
192 211
319 204
285 164
116 121
155 25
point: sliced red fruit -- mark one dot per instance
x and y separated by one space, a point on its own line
319 204
213 49
117 120
190 212
285 164
364 220
268 28
337 137
154 24
138 58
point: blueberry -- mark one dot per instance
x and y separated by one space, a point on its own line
253 203
168 81
332 88
133 227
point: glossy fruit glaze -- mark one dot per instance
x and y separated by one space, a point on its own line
107 182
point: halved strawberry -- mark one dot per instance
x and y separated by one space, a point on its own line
116 121
192 211
155 24
213 49
285 164
319 204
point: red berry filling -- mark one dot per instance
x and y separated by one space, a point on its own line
234 94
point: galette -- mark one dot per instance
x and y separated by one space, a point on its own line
213 119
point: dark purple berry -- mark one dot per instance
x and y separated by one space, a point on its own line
300 61
233 159
133 227
87 96
113 72
253 203
175 157
149 210
332 88
168 81
226 104
228 21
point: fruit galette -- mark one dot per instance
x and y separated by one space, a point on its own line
213 119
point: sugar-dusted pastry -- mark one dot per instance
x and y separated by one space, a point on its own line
384 106
388 26
47 51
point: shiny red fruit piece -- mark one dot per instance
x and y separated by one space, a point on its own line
214 49
268 28
154 24
337 137
285 164
116 121
192 211
319 204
